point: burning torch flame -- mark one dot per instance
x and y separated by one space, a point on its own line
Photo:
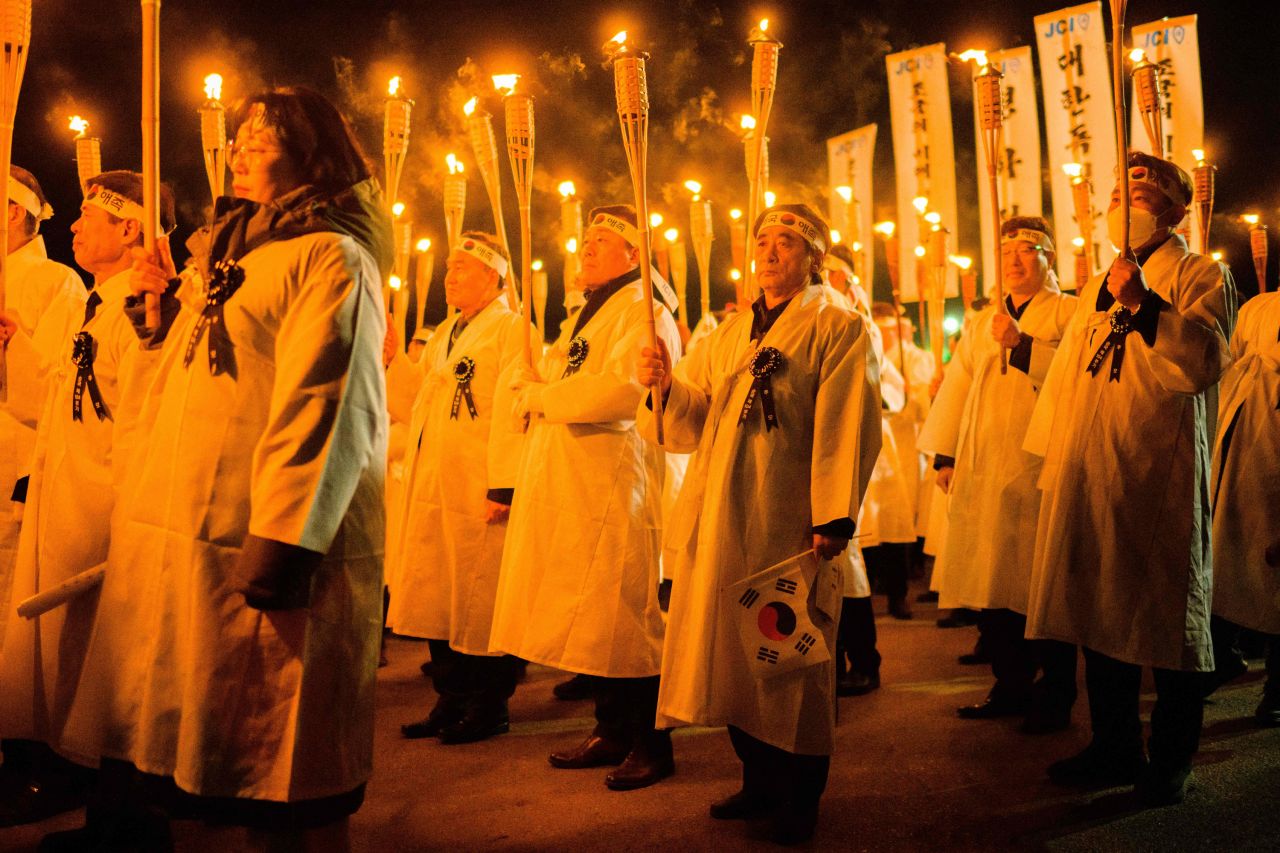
845 193
393 87
571 245
1072 170
920 251
79 125
1250 218
836 236
454 164
1078 242
620 38
395 282
856 246
469 107
735 214
961 261
655 220
424 245
764 25
397 209
920 203
505 83
536 266
885 229
933 218
671 234
978 56
747 122
1198 154
567 190
1217 256
213 87
1137 55
693 187
735 275
770 198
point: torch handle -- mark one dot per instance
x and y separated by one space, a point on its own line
1122 140
646 283
989 142
151 142
526 279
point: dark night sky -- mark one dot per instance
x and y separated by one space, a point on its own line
84 58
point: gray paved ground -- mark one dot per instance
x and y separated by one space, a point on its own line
908 775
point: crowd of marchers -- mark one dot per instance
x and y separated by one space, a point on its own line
226 482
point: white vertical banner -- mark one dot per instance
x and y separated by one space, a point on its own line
1173 44
849 161
1019 158
923 154
1079 121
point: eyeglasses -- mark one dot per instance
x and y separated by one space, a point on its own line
254 153
1026 254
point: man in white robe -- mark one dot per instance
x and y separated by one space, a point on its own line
98 380
42 297
579 583
1246 497
1121 562
782 407
975 431
462 452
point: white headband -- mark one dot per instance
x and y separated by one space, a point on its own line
1030 235
794 222
1169 189
23 196
617 225
485 255
115 204
834 264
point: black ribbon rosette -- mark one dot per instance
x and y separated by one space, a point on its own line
464 370
578 351
224 281
1121 326
83 351
763 365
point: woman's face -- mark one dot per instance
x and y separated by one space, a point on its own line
261 171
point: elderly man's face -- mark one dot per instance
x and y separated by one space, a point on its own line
605 256
469 283
784 262
1025 266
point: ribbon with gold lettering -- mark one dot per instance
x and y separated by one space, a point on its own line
224 281
764 364
83 351
1121 326
464 370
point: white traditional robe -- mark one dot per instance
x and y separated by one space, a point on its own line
579 583
448 556
1246 472
906 423
980 418
1122 562
41 295
75 474
751 500
182 678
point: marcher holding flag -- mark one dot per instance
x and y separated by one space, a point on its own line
781 403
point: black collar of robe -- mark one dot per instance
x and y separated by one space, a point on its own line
1105 299
598 296
763 318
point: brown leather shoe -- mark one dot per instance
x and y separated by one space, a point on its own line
595 751
649 762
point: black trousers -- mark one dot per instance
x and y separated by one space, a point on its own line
768 771
625 707
1114 687
1013 659
856 638
1056 688
471 682
887 567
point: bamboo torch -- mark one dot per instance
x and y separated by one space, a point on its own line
888 232
455 199
88 153
570 229
1082 200
738 252
1122 139
1146 87
1258 248
17 41
520 136
702 234
484 147
213 135
678 261
423 269
937 260
991 117
631 90
764 82
1084 268
1203 179
538 285
151 142
395 137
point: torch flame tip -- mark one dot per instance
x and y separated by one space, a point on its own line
536 266
393 86
397 209
920 251
836 237
933 218
693 187
620 37
671 234
1250 218
395 282
964 262
747 122
735 214
655 220
567 189
1072 170
885 229
1198 154
1137 54
1078 242
213 86
78 124
920 203
978 56
505 83
470 106
845 193
424 245
571 246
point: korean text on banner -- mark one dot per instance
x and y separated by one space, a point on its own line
849 164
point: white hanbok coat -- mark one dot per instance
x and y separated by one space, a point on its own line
182 678
41 295
75 475
448 556
1122 562
751 500
980 418
1246 472
579 583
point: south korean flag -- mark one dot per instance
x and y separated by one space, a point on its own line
773 617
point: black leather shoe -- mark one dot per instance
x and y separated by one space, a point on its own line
475 726
1155 789
649 762
433 725
857 684
573 689
1093 768
426 668
742 806
929 597
990 709
900 609
956 620
794 825
1268 712
36 801
595 751
1040 721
